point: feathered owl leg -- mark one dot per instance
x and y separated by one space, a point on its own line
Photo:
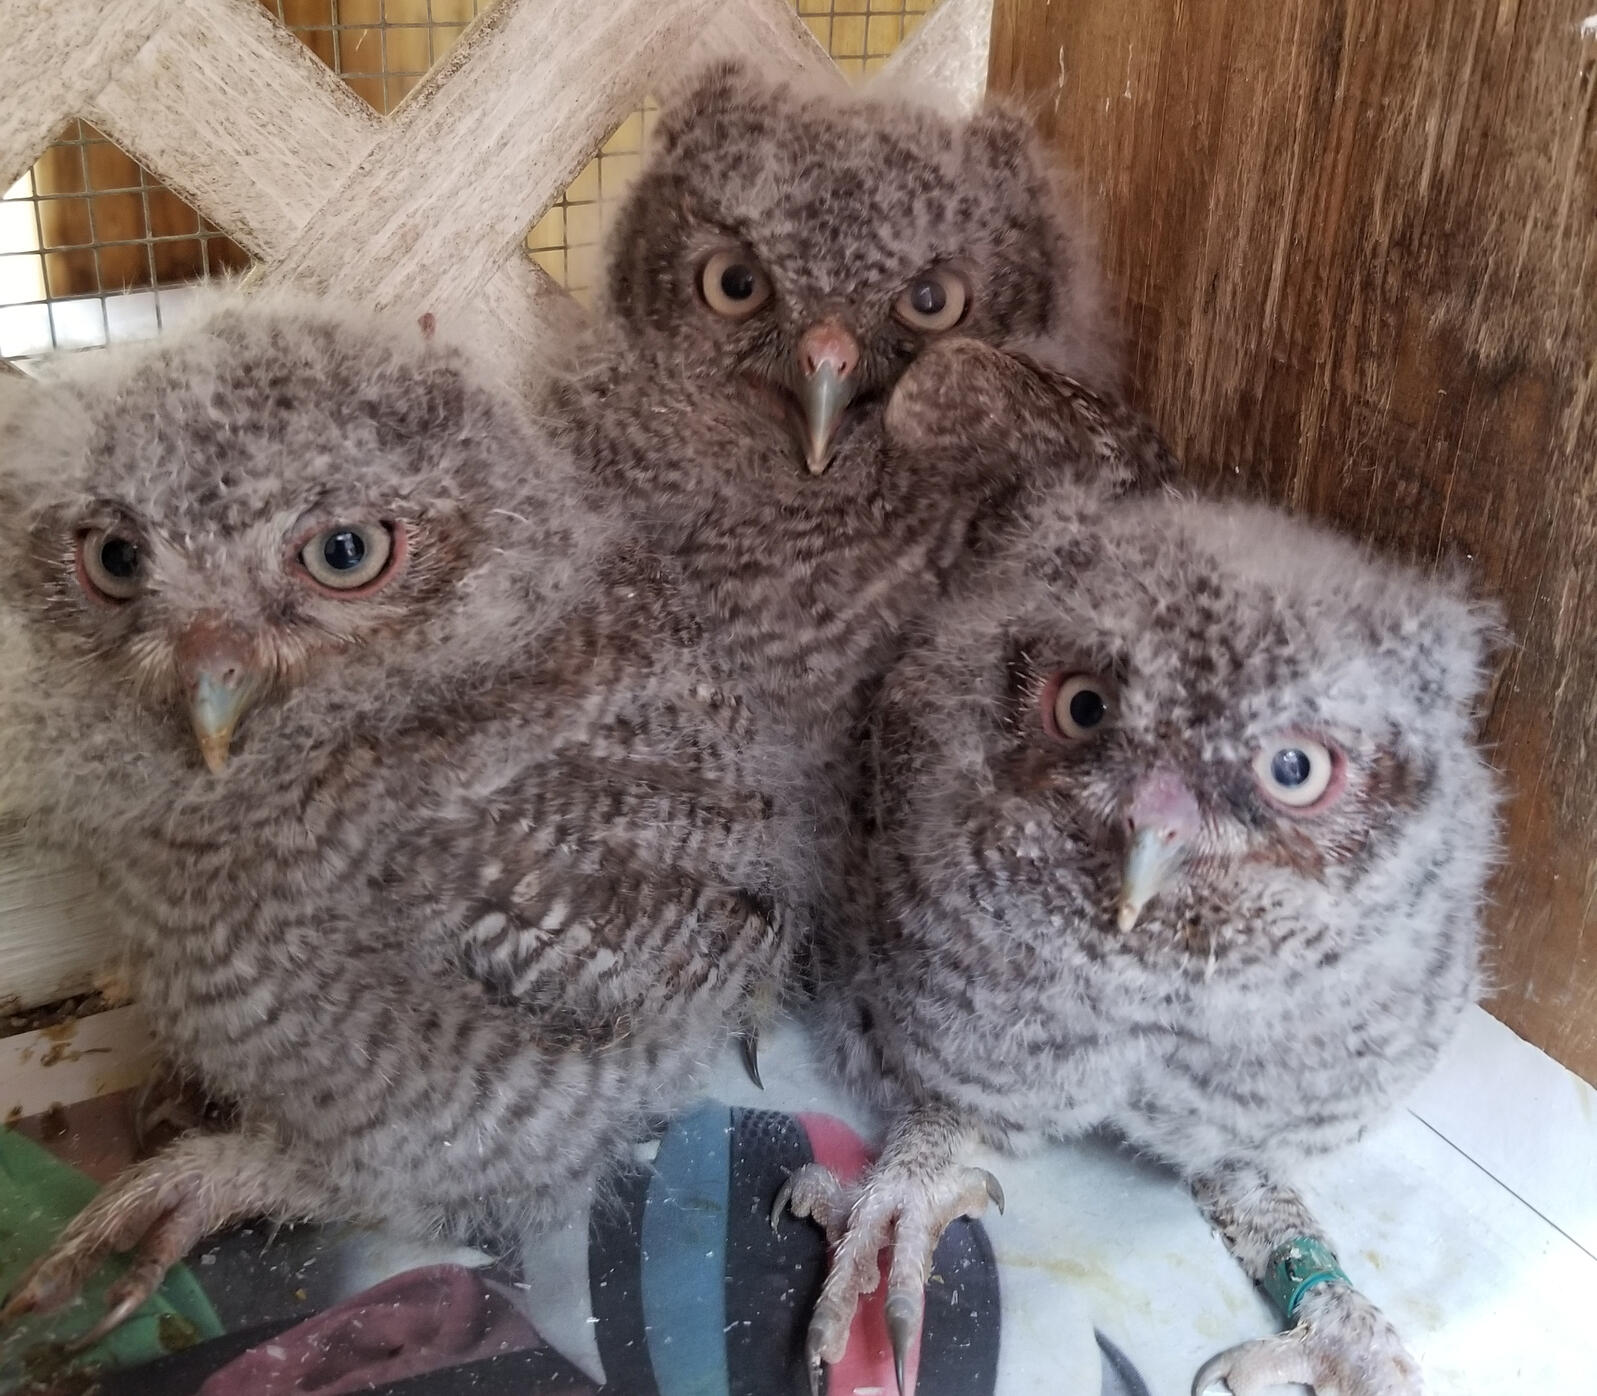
906 1201
159 1210
1340 1343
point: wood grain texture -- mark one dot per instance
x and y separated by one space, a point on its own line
477 152
1356 243
946 55
54 55
56 932
239 117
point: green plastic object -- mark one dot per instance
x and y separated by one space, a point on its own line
1295 1268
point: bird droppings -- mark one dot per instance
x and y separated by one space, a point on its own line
175 1333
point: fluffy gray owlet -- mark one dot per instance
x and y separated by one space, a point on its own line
433 847
784 264
1177 829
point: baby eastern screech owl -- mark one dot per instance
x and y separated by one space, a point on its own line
1176 827
436 846
782 266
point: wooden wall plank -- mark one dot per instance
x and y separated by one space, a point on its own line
1356 243
58 933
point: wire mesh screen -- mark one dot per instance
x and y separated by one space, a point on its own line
95 249
381 48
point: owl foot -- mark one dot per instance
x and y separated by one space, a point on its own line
157 1210
906 1208
1341 1346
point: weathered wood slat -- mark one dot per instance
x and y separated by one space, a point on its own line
55 933
54 56
239 117
483 146
769 35
946 56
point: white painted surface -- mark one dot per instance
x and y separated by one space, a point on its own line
94 1056
1492 1298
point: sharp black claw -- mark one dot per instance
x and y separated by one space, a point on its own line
902 1323
749 1046
110 1321
784 1195
995 1190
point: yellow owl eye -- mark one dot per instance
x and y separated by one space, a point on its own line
733 283
1077 706
351 558
1298 773
110 565
934 301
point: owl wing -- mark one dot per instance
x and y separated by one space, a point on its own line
612 892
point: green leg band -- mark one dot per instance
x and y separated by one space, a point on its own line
1295 1267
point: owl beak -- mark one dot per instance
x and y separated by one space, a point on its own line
827 355
1162 821
215 664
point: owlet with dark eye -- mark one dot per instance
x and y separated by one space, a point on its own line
317 658
1179 831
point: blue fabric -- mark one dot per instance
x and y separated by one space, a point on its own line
684 1255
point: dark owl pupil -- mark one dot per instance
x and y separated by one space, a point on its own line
1086 708
929 298
737 283
1290 767
120 558
344 550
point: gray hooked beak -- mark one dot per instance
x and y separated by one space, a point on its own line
216 666
828 355
1162 820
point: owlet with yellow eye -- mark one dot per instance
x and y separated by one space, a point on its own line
784 265
1178 831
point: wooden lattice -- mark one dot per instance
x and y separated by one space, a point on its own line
425 208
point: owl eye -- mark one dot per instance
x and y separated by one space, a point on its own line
1297 773
1076 706
110 565
935 300
733 283
348 558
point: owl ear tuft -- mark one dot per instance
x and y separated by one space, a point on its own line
1470 635
1007 137
720 86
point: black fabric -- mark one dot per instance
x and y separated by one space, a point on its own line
773 1276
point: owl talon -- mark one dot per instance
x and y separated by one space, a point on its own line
814 1192
903 1314
906 1209
1342 1346
749 1047
158 1211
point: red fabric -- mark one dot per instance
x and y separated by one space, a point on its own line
868 1360
420 1321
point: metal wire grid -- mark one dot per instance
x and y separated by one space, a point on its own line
94 249
860 34
381 48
